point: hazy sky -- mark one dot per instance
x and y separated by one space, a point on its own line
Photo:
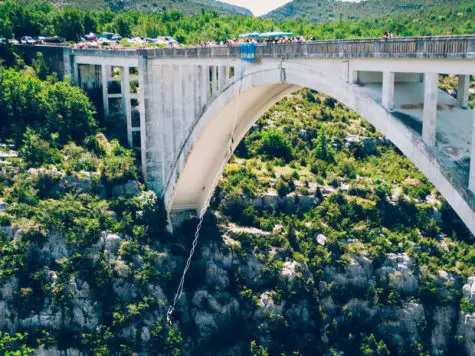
258 7
261 7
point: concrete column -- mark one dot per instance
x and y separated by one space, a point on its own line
128 106
197 90
213 81
187 98
388 91
204 81
105 93
221 78
471 180
429 126
353 77
463 90
177 107
67 58
168 118
143 85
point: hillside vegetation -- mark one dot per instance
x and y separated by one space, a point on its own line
331 10
19 19
188 7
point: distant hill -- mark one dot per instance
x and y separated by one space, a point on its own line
188 7
331 10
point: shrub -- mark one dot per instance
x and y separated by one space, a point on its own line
284 186
274 144
36 151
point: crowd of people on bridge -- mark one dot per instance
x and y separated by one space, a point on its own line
243 39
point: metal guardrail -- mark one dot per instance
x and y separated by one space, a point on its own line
404 47
416 47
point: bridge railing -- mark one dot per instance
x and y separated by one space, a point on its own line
423 47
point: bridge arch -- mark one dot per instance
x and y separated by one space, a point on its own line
202 157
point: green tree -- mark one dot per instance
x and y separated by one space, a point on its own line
70 24
323 149
274 143
36 151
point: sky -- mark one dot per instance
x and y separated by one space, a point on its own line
258 7
261 7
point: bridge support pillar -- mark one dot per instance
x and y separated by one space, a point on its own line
127 105
105 88
388 91
429 125
463 90
471 180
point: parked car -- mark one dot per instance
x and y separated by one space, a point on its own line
90 37
106 35
28 40
13 41
136 40
3 41
40 39
116 38
54 39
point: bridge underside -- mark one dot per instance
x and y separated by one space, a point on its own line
446 163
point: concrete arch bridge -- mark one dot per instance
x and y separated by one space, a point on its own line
181 110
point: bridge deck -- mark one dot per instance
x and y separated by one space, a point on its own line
462 47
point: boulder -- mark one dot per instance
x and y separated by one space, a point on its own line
3 206
54 248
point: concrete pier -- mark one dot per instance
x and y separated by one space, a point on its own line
429 126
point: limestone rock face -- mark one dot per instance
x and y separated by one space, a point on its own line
288 204
402 325
397 273
211 315
127 190
443 321
469 290
54 248
466 330
357 275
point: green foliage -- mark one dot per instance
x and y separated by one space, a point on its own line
46 107
275 144
167 338
36 151
323 149
371 347
40 66
118 164
14 345
258 350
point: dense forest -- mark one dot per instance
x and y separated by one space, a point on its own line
321 238
330 10
18 18
188 7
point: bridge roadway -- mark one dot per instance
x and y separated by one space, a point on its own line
178 105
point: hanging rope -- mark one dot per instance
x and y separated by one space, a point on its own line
201 215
